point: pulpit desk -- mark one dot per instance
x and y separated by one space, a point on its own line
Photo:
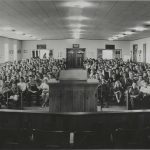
72 96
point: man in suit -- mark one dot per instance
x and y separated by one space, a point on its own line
102 92
33 90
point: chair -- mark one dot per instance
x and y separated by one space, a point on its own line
145 103
55 139
33 99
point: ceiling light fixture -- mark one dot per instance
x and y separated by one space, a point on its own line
7 28
120 35
129 32
110 39
77 30
147 22
39 39
115 38
79 18
140 28
27 35
77 25
76 35
19 32
33 37
78 4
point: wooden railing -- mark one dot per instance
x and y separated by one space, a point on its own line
77 127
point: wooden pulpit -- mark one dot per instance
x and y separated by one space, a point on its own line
73 93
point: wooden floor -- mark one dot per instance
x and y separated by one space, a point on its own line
110 108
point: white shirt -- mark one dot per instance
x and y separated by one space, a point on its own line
44 86
22 86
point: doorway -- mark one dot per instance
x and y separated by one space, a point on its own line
144 53
75 57
135 48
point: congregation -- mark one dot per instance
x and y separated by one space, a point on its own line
117 77
28 80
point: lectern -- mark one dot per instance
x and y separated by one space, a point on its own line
73 93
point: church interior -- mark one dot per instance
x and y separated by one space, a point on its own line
74 74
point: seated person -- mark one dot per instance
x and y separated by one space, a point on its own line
38 80
111 82
32 90
134 94
106 73
92 74
22 86
5 90
145 103
117 73
118 90
55 72
45 91
1 91
140 81
1 86
102 92
8 80
14 80
125 81
13 96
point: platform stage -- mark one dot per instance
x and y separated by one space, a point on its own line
73 93
88 130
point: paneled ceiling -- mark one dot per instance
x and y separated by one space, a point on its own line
68 19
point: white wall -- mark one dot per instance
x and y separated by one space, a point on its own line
2 51
140 47
60 46
5 46
19 48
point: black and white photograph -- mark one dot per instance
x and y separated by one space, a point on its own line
74 74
